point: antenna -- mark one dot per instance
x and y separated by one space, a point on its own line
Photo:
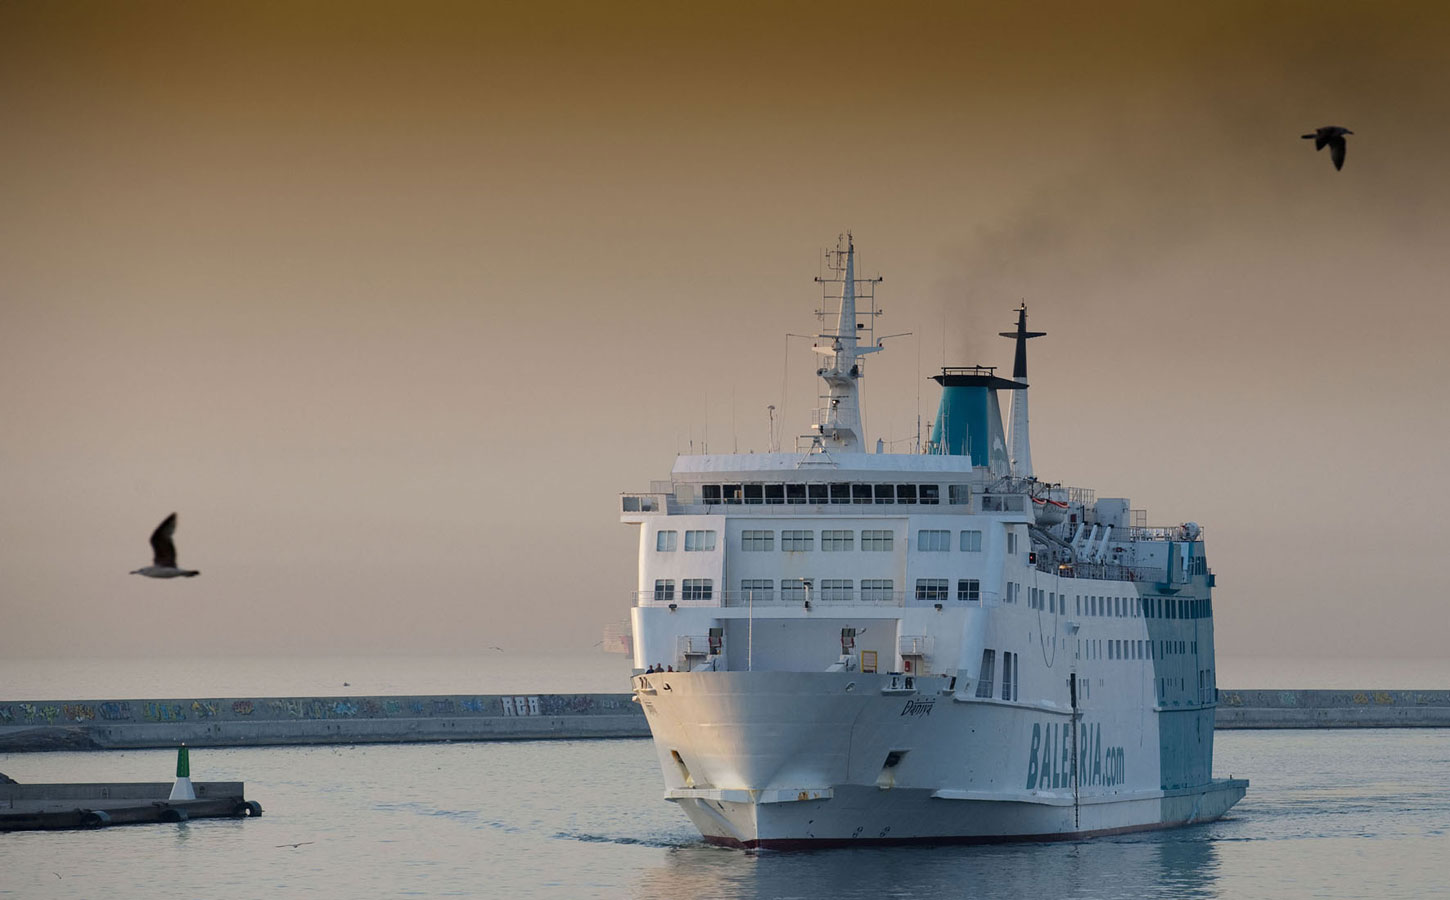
770 444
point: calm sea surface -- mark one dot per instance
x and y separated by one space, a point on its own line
1346 814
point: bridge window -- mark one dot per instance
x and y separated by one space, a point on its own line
730 493
928 494
699 540
667 541
774 494
818 493
885 493
876 540
860 493
796 493
840 493
905 493
959 494
757 540
754 494
928 540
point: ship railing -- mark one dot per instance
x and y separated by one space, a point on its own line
648 502
1166 533
1100 571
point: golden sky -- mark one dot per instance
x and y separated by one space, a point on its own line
391 300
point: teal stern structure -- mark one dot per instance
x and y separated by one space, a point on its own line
969 419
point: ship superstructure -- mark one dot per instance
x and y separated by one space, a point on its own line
931 646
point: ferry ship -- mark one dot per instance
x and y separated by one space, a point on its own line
836 646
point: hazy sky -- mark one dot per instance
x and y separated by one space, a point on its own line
391 300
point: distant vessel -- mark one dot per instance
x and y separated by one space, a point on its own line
932 646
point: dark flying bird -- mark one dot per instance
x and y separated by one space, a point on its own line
163 562
1333 135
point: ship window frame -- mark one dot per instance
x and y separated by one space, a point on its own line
876 590
797 540
818 493
1009 672
906 493
710 494
933 590
774 493
840 493
883 493
697 590
757 540
986 673
969 590
795 493
959 494
664 590
731 494
971 540
667 540
934 540
757 590
754 494
860 493
838 540
928 494
838 590
795 589
878 540
700 540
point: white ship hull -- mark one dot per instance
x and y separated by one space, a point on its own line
793 760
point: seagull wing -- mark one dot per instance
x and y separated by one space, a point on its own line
163 551
1336 150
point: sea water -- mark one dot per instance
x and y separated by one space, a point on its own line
1329 814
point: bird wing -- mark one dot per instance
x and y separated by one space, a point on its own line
163 551
1320 140
1336 150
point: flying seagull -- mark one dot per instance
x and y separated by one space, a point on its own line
163 563
1333 135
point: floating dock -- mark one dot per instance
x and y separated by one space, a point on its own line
260 721
30 807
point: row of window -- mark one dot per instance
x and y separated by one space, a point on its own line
1010 679
1114 648
928 590
832 539
669 541
834 493
930 540
698 589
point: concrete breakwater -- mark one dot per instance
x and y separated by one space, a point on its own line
1333 709
247 722
234 722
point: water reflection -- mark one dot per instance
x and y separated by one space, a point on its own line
1180 864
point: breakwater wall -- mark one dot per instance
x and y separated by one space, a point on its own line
244 722
1333 709
260 721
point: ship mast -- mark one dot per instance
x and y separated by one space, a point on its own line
1021 446
838 423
